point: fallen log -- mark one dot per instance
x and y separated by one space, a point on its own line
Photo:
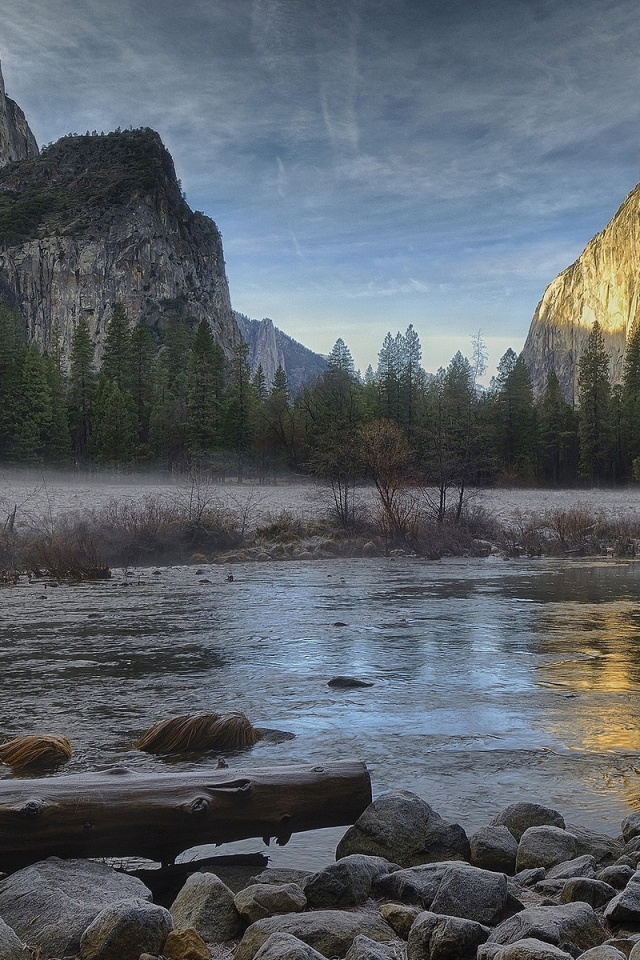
119 813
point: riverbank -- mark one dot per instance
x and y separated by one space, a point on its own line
73 526
406 883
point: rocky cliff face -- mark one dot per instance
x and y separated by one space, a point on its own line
604 285
16 140
95 220
272 348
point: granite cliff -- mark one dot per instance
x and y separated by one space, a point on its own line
16 140
93 220
271 348
603 284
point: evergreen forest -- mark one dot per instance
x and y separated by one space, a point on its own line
180 402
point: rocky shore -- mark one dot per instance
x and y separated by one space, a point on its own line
406 884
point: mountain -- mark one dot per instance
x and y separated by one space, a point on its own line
604 285
93 220
272 348
16 140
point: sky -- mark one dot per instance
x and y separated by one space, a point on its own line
370 163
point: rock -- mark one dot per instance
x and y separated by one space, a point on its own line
625 906
606 951
631 826
528 878
146 249
573 923
545 847
635 952
520 816
632 846
11 946
267 899
584 866
50 904
271 348
529 948
617 876
403 829
185 944
16 139
347 683
284 946
330 932
364 948
436 937
550 887
344 883
603 848
600 285
494 848
594 892
412 885
400 916
124 930
207 904
471 893
280 875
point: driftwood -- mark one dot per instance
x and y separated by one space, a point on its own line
119 813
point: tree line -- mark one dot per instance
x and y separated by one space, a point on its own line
180 402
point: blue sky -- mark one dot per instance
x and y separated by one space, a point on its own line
370 163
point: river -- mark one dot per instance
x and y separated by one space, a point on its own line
494 681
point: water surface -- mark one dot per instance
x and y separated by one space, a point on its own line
494 681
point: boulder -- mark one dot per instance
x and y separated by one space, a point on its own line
603 848
494 848
617 875
345 883
413 885
400 916
185 944
330 932
364 948
471 893
11 946
284 946
50 904
520 816
207 904
268 899
124 930
529 948
625 906
403 829
280 875
631 826
584 866
529 878
572 923
606 951
594 892
545 847
435 937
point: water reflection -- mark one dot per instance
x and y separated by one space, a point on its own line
493 680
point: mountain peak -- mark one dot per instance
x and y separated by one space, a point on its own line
16 139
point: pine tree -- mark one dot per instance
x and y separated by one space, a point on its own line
82 387
594 393
411 378
388 377
280 384
115 427
204 393
167 423
630 398
516 420
143 381
240 402
58 446
259 384
12 356
558 435
116 352
34 409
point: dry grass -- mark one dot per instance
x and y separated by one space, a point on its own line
199 731
45 750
